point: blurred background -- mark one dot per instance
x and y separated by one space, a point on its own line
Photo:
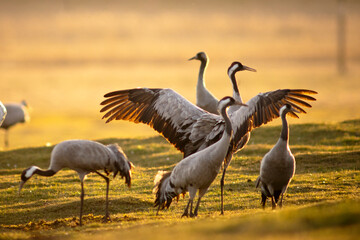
62 56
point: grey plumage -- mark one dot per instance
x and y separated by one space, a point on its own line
84 157
195 172
232 70
190 128
3 112
204 98
16 113
277 166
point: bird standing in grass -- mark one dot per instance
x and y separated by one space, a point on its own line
277 166
16 113
190 128
197 171
84 157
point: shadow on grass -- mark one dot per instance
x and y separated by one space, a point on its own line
326 162
94 206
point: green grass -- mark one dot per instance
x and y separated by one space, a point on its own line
322 201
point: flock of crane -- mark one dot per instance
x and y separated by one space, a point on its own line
208 134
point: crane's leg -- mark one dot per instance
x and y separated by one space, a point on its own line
273 204
192 194
263 200
186 211
281 200
6 139
107 216
157 212
201 194
222 183
81 201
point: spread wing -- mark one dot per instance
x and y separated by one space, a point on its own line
190 128
178 120
265 107
261 109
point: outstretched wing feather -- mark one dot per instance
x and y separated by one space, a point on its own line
190 128
162 109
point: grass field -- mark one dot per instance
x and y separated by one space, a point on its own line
322 201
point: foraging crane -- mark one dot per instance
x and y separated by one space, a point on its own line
84 157
190 128
204 98
3 112
16 113
277 166
197 171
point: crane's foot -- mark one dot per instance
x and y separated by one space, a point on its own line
106 219
186 213
273 205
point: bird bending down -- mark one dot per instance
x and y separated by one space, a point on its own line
277 166
3 112
84 157
197 171
16 113
190 128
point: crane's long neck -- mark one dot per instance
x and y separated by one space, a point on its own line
201 83
228 129
28 173
222 145
285 128
35 170
236 93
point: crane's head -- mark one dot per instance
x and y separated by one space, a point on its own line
200 56
26 175
122 165
237 66
287 108
227 102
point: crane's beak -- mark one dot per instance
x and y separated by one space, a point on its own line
249 68
192 58
240 104
21 185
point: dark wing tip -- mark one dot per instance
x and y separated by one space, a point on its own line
304 91
110 94
294 115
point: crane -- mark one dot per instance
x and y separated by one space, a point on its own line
190 128
197 171
84 157
277 166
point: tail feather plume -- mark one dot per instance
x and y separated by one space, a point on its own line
163 190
